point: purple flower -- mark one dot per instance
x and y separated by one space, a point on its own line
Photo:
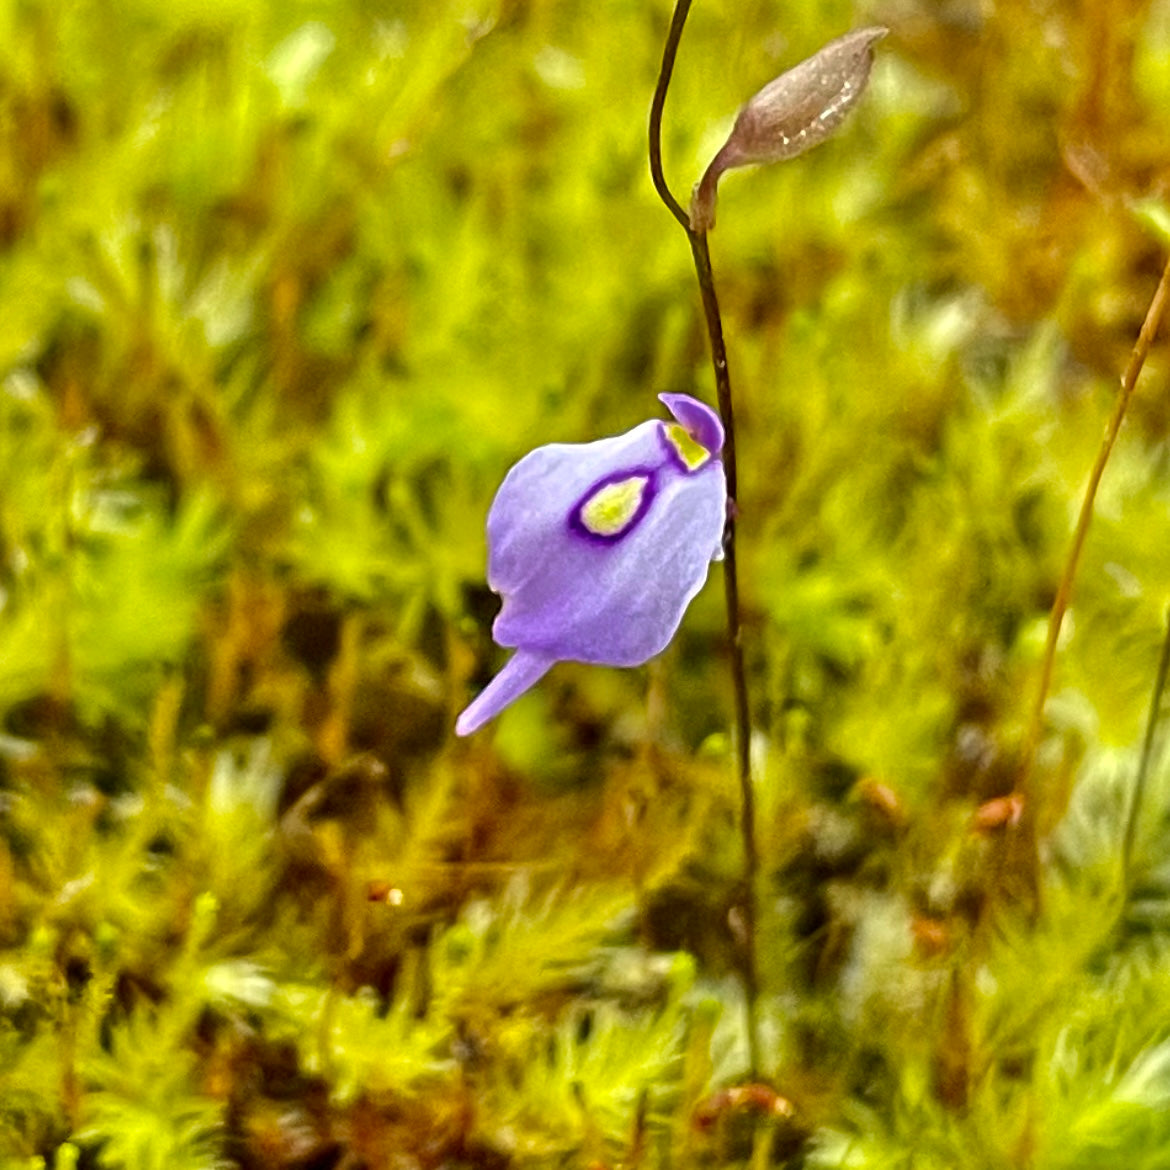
597 548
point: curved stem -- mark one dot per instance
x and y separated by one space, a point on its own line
657 104
702 259
1060 603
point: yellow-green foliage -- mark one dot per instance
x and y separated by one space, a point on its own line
284 291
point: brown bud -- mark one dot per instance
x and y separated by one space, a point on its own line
792 114
882 798
756 1098
1001 812
931 935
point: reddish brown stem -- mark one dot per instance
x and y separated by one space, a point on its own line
1060 603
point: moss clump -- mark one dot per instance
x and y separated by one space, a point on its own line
285 289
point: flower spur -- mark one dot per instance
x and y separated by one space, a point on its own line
597 548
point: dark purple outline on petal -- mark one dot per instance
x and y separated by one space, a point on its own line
578 527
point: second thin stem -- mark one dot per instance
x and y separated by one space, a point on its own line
1060 602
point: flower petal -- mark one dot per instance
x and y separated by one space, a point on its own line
620 604
530 511
521 671
597 548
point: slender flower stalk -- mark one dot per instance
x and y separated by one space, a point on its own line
791 114
702 259
1060 603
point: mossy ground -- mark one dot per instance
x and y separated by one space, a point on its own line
284 290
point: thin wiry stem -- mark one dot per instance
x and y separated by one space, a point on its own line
1060 603
1147 753
702 258
657 104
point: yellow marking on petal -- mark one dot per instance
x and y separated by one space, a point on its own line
613 506
690 450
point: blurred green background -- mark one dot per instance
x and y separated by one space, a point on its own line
284 291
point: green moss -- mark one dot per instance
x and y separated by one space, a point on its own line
285 290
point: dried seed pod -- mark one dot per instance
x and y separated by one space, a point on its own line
792 114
